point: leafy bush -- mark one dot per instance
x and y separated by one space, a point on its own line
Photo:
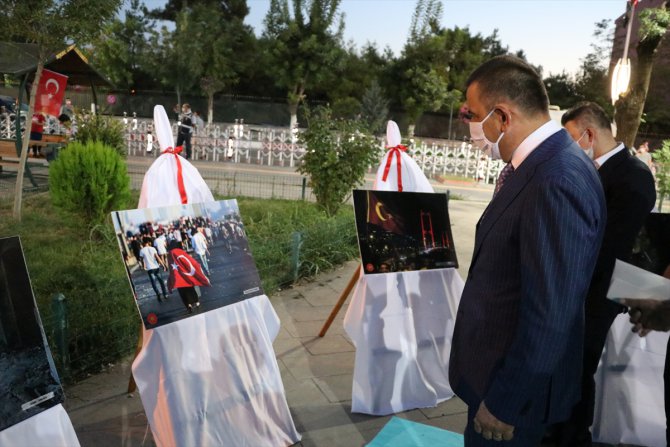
89 180
338 154
662 161
105 129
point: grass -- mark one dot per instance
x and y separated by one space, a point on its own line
63 256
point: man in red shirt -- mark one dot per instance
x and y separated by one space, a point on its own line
36 130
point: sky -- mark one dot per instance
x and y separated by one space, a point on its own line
555 34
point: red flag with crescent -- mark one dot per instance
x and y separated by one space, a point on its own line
380 216
50 92
185 271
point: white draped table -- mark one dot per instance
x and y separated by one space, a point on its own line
50 428
401 325
629 385
213 379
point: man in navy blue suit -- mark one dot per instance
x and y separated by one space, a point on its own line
517 348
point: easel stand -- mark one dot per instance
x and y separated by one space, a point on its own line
341 300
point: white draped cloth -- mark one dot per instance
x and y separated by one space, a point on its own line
402 323
629 388
211 379
50 428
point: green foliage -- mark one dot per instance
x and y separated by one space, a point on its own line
326 241
338 155
120 51
374 108
654 23
662 160
103 129
304 48
346 107
89 180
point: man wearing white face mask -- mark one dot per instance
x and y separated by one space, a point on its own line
630 195
517 345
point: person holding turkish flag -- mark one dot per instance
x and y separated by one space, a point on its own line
185 274
50 93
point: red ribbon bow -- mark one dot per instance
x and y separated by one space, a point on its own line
394 152
180 177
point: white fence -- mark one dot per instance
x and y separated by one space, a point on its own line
278 147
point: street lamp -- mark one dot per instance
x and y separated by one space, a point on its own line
622 71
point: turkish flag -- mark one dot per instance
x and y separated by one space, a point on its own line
380 216
634 2
185 271
50 92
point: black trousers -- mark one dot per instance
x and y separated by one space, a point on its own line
575 431
188 295
185 139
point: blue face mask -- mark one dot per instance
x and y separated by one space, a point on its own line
479 138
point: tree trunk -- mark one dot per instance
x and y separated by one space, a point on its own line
18 194
210 108
293 110
410 130
629 107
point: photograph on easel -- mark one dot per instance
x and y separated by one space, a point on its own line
403 231
29 382
651 251
186 259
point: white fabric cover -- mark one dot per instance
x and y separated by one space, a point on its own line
629 388
211 379
159 187
50 428
402 323
413 178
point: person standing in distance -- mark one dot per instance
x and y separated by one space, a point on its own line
517 346
185 130
630 195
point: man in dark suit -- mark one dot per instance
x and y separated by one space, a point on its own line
630 195
517 346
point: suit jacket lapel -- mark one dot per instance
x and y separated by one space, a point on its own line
610 165
515 183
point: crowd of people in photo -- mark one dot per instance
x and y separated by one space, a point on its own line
181 248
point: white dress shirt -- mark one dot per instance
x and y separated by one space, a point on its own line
532 141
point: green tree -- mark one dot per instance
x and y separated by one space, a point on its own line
662 160
51 25
654 25
175 56
120 50
304 45
231 9
338 155
374 108
561 89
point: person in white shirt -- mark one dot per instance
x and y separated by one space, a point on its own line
200 248
152 263
161 247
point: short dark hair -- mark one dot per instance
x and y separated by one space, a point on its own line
511 78
589 114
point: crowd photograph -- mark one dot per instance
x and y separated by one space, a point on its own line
185 260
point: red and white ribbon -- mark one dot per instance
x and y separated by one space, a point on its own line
180 177
394 152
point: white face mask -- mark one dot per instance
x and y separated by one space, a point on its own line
479 139
589 151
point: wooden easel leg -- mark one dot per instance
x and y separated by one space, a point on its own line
132 386
340 302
